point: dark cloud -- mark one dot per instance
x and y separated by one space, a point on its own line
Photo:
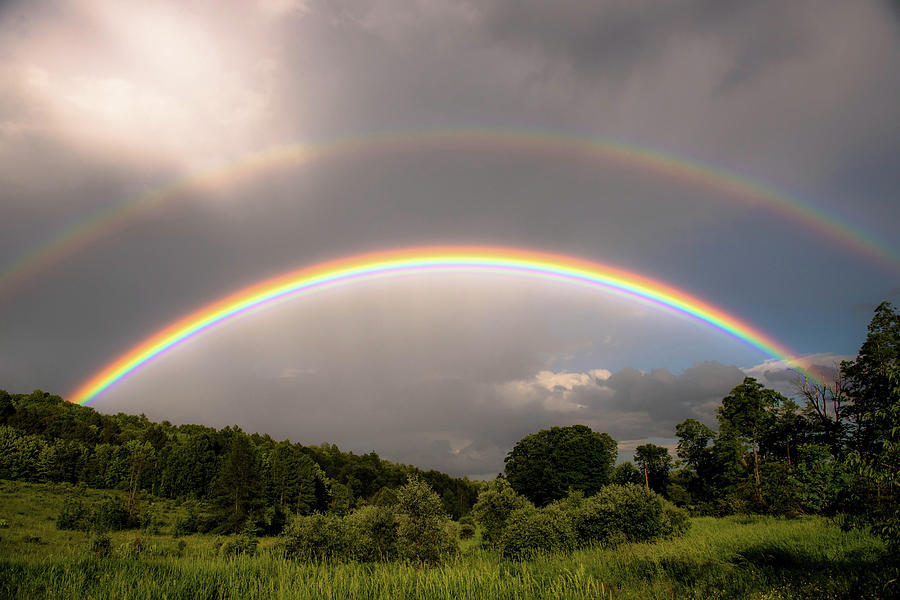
95 111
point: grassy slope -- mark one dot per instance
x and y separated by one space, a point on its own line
718 558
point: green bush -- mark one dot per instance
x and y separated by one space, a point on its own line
315 537
530 530
186 525
624 513
372 533
242 544
638 510
73 515
109 515
466 531
596 521
424 531
677 520
494 506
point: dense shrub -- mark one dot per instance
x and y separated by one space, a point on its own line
73 515
529 530
615 515
466 531
315 537
243 544
372 533
494 506
425 532
188 524
677 520
109 515
596 521
638 510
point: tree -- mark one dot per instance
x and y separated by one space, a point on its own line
140 454
655 462
749 411
626 473
295 481
544 466
237 492
868 380
423 530
494 506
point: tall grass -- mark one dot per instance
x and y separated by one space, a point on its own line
718 558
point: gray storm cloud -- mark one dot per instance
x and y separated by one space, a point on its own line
104 102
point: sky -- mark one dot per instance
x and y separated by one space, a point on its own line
140 181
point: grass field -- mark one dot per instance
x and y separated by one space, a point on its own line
747 557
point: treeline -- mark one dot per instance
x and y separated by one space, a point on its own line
836 452
243 478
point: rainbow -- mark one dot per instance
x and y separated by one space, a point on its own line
416 260
677 167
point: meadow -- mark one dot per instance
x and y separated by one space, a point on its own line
734 557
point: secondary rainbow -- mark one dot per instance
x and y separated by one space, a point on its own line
541 143
417 260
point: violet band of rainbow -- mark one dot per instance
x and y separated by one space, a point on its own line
423 260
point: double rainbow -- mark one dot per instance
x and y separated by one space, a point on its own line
417 260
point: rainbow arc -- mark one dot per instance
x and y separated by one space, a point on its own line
565 269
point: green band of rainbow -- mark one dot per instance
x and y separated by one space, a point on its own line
541 143
466 259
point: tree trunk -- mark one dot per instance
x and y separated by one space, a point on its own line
646 479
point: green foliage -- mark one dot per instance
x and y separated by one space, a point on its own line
342 500
532 530
626 473
244 544
73 515
316 537
657 463
544 466
372 533
109 515
44 438
424 529
868 379
466 531
634 511
101 545
237 488
746 557
189 523
384 497
676 521
748 412
494 506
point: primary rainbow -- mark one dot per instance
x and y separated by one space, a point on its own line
464 259
543 143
